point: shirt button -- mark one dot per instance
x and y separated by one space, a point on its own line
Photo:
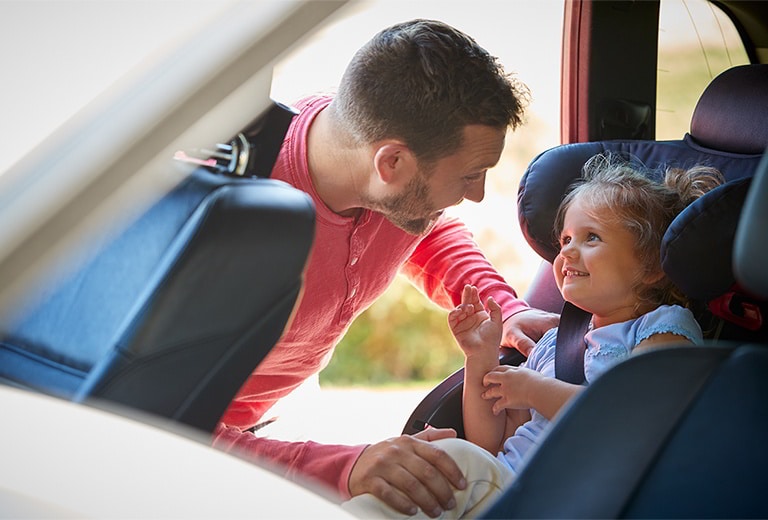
353 261
353 292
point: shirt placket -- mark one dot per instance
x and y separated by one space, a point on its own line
352 272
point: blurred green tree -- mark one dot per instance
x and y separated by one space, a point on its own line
402 338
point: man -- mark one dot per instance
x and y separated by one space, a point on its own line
420 115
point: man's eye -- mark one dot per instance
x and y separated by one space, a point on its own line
474 177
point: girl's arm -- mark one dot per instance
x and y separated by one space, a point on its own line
478 333
659 340
518 388
481 425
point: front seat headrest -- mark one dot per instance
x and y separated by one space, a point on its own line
732 111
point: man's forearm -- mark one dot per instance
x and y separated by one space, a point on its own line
318 465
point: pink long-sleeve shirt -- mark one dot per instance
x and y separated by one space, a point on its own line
352 262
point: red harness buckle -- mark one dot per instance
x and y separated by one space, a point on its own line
733 307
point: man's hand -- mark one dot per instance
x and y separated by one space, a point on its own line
524 329
409 473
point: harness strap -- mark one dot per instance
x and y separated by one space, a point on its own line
570 346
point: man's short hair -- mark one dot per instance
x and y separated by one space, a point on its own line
423 81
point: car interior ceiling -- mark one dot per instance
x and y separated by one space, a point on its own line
751 19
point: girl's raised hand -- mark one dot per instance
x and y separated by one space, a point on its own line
474 326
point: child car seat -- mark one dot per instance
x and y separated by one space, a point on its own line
676 432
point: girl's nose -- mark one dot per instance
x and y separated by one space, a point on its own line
568 250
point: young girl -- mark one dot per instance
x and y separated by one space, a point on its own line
609 228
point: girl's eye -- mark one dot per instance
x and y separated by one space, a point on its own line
592 237
564 241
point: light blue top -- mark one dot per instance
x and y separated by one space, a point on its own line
606 346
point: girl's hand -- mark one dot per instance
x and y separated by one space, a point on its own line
475 327
510 387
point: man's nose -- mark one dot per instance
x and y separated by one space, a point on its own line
476 191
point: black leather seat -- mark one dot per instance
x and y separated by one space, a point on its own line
172 314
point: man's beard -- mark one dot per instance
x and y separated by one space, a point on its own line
401 209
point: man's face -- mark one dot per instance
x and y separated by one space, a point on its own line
445 182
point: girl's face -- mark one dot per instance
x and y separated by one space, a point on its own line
597 269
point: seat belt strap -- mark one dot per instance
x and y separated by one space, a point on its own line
570 346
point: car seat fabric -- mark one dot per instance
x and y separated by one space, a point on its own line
70 322
719 481
750 255
171 315
730 114
680 441
727 132
715 216
551 173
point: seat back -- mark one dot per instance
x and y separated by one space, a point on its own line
171 314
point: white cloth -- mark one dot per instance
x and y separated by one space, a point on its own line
486 476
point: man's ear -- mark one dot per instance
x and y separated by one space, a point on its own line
394 162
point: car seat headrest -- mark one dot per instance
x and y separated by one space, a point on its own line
732 111
696 250
543 186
